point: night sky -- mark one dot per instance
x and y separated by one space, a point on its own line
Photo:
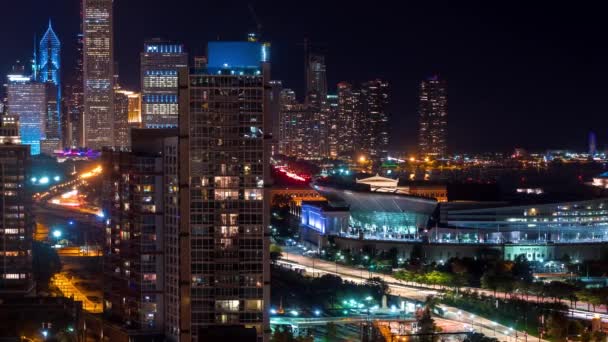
530 74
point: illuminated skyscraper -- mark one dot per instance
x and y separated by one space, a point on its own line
98 65
433 110
74 109
27 99
49 54
122 128
160 61
348 118
275 114
374 130
316 79
218 270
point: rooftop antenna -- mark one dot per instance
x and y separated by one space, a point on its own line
35 60
258 23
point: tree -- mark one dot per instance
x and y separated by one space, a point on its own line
379 285
426 326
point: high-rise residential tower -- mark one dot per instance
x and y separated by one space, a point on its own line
374 131
348 117
316 79
160 62
133 199
433 111
98 65
217 274
16 225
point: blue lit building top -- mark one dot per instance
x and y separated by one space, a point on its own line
49 62
236 57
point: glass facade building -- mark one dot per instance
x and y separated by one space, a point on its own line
433 111
219 245
98 71
49 73
565 222
160 62
27 99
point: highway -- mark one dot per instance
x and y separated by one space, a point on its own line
318 265
453 316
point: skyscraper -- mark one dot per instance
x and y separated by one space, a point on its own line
73 118
27 99
133 198
122 127
160 61
98 64
433 111
275 113
16 224
49 54
316 79
218 250
47 70
348 117
374 131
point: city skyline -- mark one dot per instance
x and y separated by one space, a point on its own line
265 172
484 60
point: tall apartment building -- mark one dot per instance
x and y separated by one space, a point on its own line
433 111
274 111
316 79
16 224
333 124
160 62
27 99
134 201
98 65
218 247
348 118
374 128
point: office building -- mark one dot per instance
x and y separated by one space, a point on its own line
16 226
9 129
74 104
160 61
98 65
218 251
122 127
27 99
49 73
135 110
134 200
433 111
